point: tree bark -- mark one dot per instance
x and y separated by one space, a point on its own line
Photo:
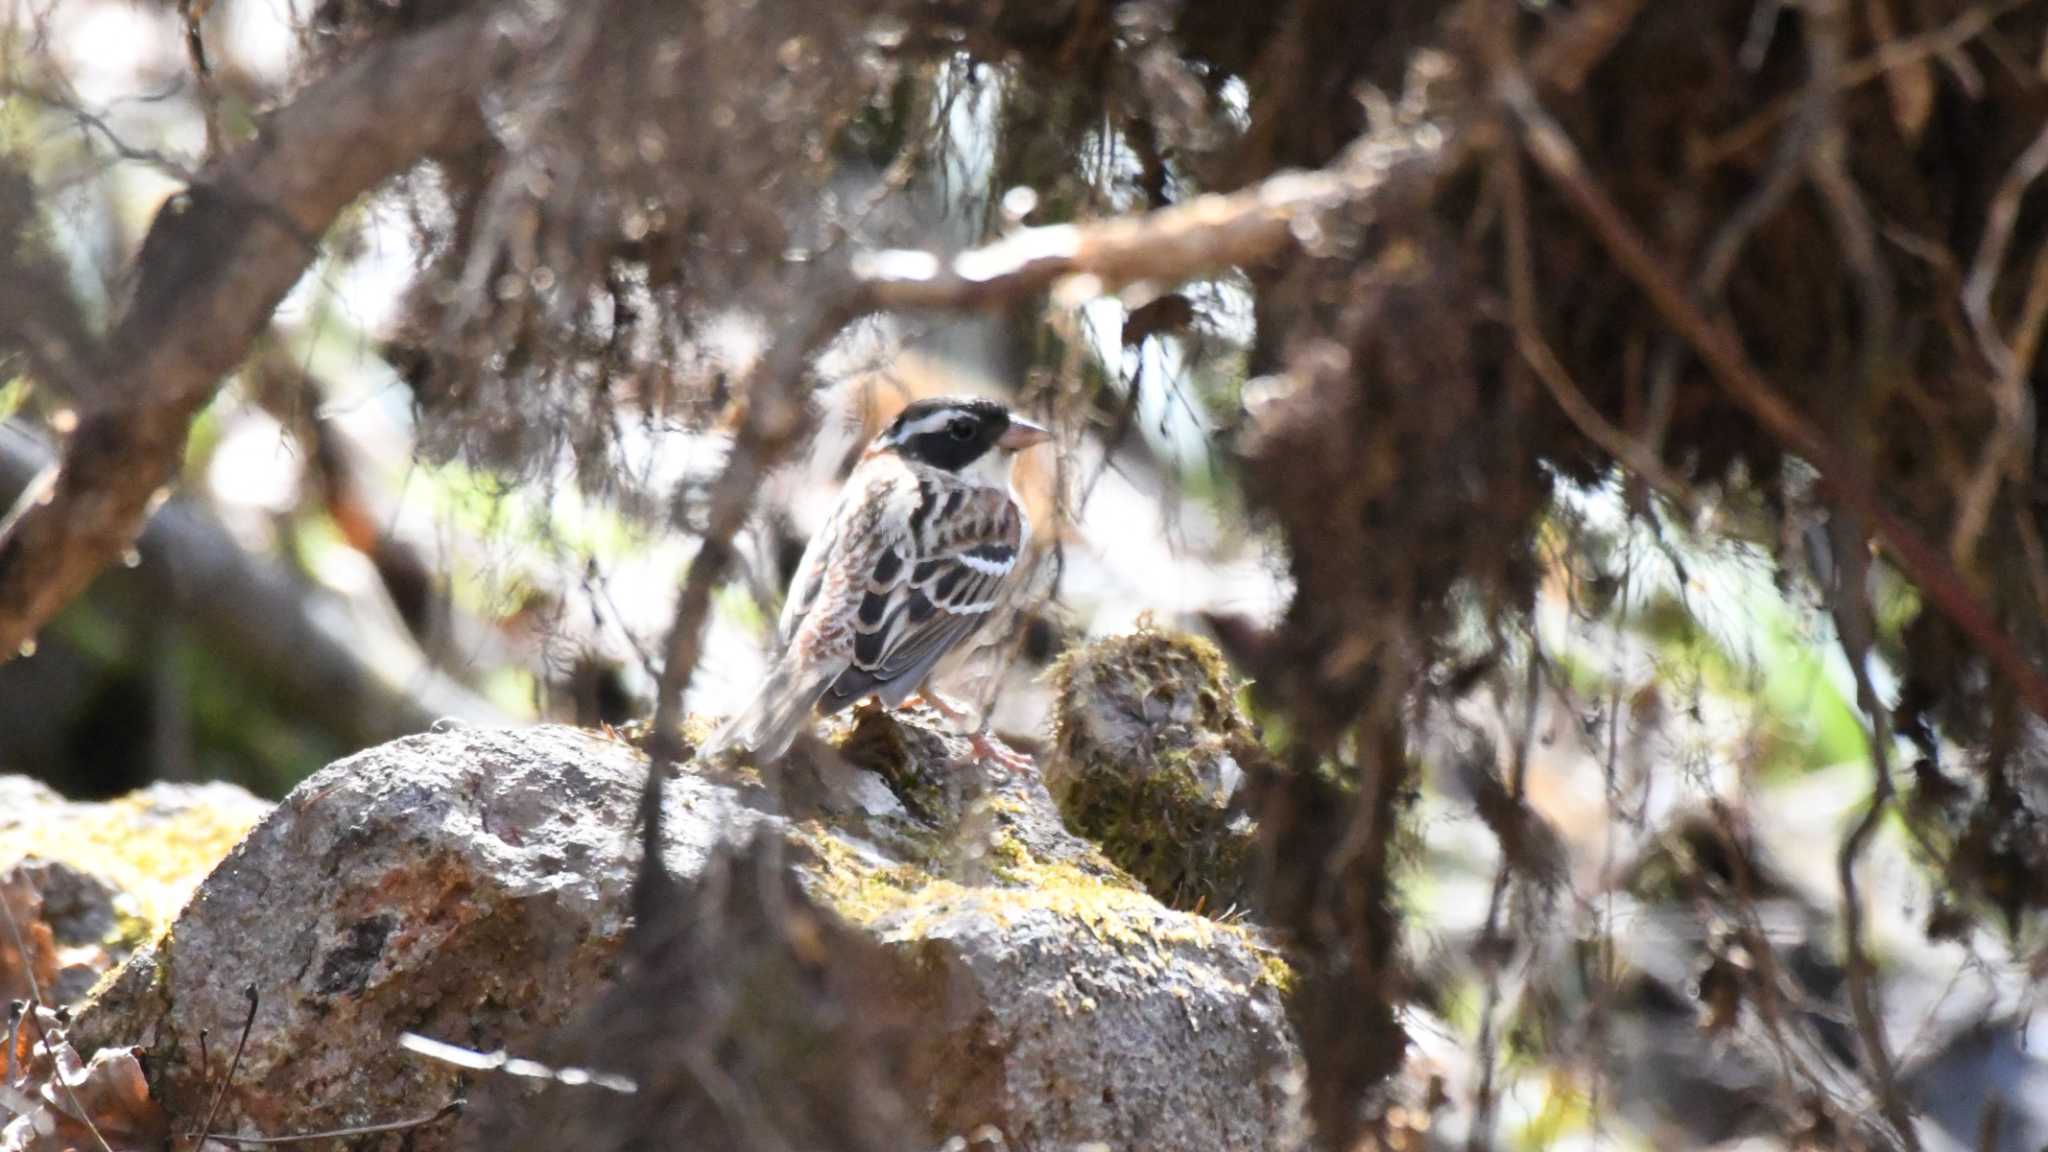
217 260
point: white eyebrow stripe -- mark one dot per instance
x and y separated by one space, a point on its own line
932 422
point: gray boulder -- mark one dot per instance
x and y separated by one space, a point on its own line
473 886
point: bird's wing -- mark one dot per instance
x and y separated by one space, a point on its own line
929 589
808 581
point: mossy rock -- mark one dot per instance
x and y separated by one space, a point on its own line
111 874
476 884
1149 755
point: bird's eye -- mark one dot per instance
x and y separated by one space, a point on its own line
961 429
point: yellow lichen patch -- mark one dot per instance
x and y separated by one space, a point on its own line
156 858
1274 970
906 903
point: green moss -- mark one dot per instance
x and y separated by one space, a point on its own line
1165 832
1148 796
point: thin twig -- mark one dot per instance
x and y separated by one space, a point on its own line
95 123
435 1117
1582 40
234 1066
774 419
2010 443
1972 23
1849 602
503 1061
192 12
1791 162
1723 353
1491 942
20 942
1633 455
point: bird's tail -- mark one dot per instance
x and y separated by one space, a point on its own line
769 725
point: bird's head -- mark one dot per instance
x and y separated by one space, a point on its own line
953 432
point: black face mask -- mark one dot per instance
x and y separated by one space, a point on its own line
972 429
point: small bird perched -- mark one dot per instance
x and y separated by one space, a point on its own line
916 557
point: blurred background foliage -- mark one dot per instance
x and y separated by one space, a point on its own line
442 489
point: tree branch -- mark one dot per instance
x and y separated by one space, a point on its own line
261 618
1170 245
216 262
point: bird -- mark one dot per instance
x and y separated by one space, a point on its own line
917 556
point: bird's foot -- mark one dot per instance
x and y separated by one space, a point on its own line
950 709
987 749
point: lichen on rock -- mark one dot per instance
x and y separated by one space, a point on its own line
1150 752
474 886
107 876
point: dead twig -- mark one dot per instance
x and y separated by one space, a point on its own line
1723 354
20 943
191 13
510 1065
1581 40
1849 603
1167 246
2011 441
435 1117
234 1065
1911 50
774 418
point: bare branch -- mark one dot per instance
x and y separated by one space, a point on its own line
1170 245
214 266
2009 446
775 418
191 13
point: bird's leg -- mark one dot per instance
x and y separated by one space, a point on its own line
987 748
930 697
984 744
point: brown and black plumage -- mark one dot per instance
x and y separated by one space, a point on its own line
917 556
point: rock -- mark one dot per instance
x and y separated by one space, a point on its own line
1150 752
746 1017
1078 1008
473 886
105 877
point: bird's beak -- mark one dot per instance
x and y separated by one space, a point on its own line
1022 434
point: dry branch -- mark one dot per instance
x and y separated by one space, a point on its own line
1724 356
215 264
1167 246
